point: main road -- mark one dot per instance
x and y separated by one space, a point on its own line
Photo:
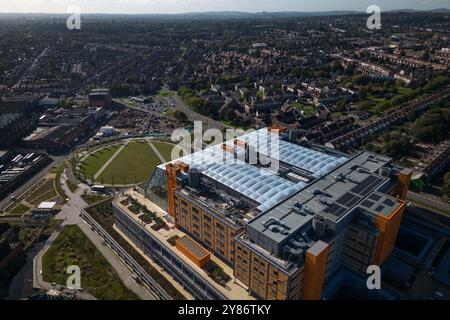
429 201
20 191
194 116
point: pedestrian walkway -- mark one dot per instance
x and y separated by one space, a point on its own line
70 215
156 151
98 174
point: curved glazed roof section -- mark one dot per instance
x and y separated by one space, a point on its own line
316 162
250 181
254 182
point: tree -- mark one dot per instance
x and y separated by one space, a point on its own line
432 126
341 105
363 93
398 147
180 116
447 178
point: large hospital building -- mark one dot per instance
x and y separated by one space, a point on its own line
285 217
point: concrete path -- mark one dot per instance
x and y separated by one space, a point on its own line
156 151
98 174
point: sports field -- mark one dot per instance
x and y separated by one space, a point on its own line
134 164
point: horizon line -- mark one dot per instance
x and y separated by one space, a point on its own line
224 11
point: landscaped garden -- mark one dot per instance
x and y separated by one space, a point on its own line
102 213
98 278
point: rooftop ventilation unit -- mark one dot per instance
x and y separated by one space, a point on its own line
324 201
362 170
385 171
319 226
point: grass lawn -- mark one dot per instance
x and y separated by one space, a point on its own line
102 213
404 90
59 190
165 149
165 93
45 191
95 162
376 99
307 110
98 278
134 164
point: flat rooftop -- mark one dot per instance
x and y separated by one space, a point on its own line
332 196
233 290
193 247
223 206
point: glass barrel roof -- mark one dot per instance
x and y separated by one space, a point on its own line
316 162
256 183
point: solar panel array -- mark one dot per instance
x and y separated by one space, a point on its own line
367 185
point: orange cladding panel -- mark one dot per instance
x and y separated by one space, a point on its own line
388 227
315 265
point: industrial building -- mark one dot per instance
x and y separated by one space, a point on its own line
17 168
100 98
12 127
286 218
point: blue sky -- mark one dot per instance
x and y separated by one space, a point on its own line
178 6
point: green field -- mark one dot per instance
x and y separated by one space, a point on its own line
19 209
45 191
165 149
98 278
134 164
96 161
404 90
165 93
